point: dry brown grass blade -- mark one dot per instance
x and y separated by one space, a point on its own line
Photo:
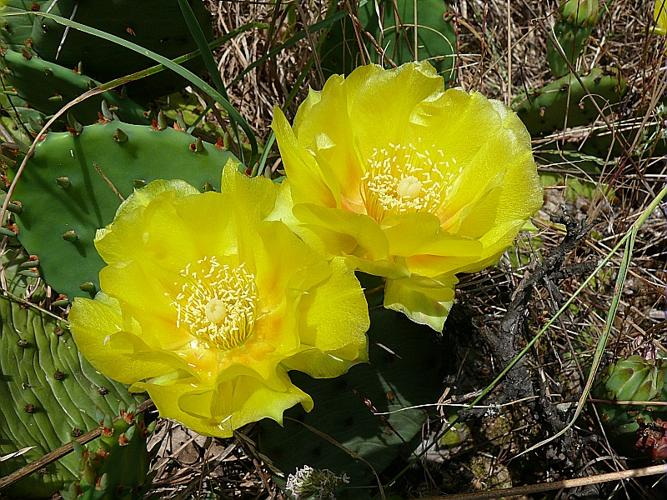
559 485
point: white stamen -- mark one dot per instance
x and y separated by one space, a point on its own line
402 179
216 303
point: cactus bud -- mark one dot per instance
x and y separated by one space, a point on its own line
581 12
88 287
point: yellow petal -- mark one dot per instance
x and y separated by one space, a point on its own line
426 302
382 103
331 141
256 194
351 233
126 231
308 183
331 343
219 410
420 233
111 344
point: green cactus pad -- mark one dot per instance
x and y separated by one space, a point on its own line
73 185
16 30
49 395
436 39
157 25
567 102
404 370
115 467
47 87
573 29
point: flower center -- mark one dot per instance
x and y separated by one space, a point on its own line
401 179
217 303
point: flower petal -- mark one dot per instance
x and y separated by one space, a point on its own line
382 103
332 343
347 232
331 141
219 410
114 241
308 183
112 344
426 302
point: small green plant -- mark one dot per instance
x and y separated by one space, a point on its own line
632 379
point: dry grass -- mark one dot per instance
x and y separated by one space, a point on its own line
502 47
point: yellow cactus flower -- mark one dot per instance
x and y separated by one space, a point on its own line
660 17
408 180
207 303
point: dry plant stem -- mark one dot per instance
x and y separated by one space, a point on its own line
559 485
506 345
59 453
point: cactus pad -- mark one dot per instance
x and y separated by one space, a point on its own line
47 87
16 30
116 468
572 30
73 185
436 39
566 102
157 25
49 395
344 407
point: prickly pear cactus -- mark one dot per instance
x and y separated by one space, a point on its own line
363 411
49 395
566 101
394 31
21 121
74 183
632 379
157 25
16 30
46 87
577 18
115 467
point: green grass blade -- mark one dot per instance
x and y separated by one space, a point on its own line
207 56
602 343
202 44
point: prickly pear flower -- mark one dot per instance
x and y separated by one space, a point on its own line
207 303
408 181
